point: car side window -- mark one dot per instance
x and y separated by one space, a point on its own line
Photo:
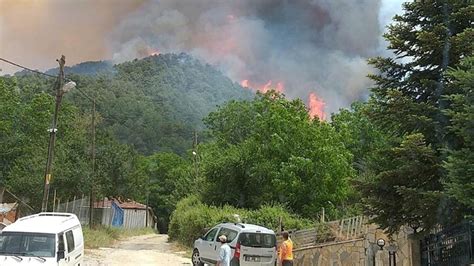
211 234
70 241
229 233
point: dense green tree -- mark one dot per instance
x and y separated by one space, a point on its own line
156 103
26 113
360 135
25 119
407 188
169 180
460 162
408 100
269 150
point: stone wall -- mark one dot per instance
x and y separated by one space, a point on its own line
362 251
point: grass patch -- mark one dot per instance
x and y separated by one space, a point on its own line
183 250
105 236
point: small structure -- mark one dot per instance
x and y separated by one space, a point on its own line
8 214
127 214
11 208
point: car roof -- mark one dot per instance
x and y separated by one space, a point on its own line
45 222
248 228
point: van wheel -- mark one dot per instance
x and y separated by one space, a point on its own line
196 259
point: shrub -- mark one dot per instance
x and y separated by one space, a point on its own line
192 218
269 216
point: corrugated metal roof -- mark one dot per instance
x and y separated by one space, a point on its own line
107 203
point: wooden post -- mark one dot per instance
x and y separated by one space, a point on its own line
2 190
93 182
280 224
348 228
73 204
54 200
52 135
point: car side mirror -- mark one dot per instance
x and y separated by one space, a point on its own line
60 255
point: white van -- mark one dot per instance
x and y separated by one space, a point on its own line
43 239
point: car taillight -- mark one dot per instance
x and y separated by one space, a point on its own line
237 251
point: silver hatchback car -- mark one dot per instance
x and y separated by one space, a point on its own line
251 245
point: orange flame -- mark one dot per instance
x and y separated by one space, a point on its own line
316 106
151 51
279 87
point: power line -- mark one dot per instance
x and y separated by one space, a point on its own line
107 117
26 68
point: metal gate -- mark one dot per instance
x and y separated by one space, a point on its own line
451 246
117 219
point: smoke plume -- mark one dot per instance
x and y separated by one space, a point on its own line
298 46
310 46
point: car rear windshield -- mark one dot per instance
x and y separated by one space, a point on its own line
257 240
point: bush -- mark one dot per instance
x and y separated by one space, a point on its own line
269 216
192 218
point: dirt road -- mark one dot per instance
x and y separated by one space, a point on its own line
140 250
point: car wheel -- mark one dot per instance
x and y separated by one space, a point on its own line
196 259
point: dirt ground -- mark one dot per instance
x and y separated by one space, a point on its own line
140 250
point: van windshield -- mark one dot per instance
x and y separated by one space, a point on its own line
257 240
27 244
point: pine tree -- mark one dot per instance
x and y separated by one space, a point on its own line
460 162
408 100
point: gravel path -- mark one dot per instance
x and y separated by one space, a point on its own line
140 250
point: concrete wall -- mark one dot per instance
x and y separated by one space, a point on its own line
363 251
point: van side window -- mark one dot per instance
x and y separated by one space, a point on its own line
211 234
229 233
70 241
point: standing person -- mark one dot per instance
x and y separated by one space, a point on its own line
224 252
286 250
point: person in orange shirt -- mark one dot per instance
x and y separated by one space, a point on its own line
286 250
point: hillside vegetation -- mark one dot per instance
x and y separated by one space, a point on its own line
403 157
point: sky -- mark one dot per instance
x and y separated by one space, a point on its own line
309 46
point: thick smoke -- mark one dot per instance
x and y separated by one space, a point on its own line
310 45
37 32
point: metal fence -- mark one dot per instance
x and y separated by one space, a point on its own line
80 207
105 212
450 246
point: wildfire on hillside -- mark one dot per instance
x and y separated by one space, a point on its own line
279 87
316 106
151 51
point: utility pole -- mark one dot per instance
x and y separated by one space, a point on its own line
52 134
195 154
92 194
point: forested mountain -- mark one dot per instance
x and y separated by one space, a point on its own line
145 106
86 68
156 103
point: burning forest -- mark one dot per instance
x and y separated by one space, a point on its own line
300 48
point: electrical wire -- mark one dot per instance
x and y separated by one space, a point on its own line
81 91
26 68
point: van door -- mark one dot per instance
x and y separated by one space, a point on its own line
257 249
207 248
230 235
61 254
74 254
